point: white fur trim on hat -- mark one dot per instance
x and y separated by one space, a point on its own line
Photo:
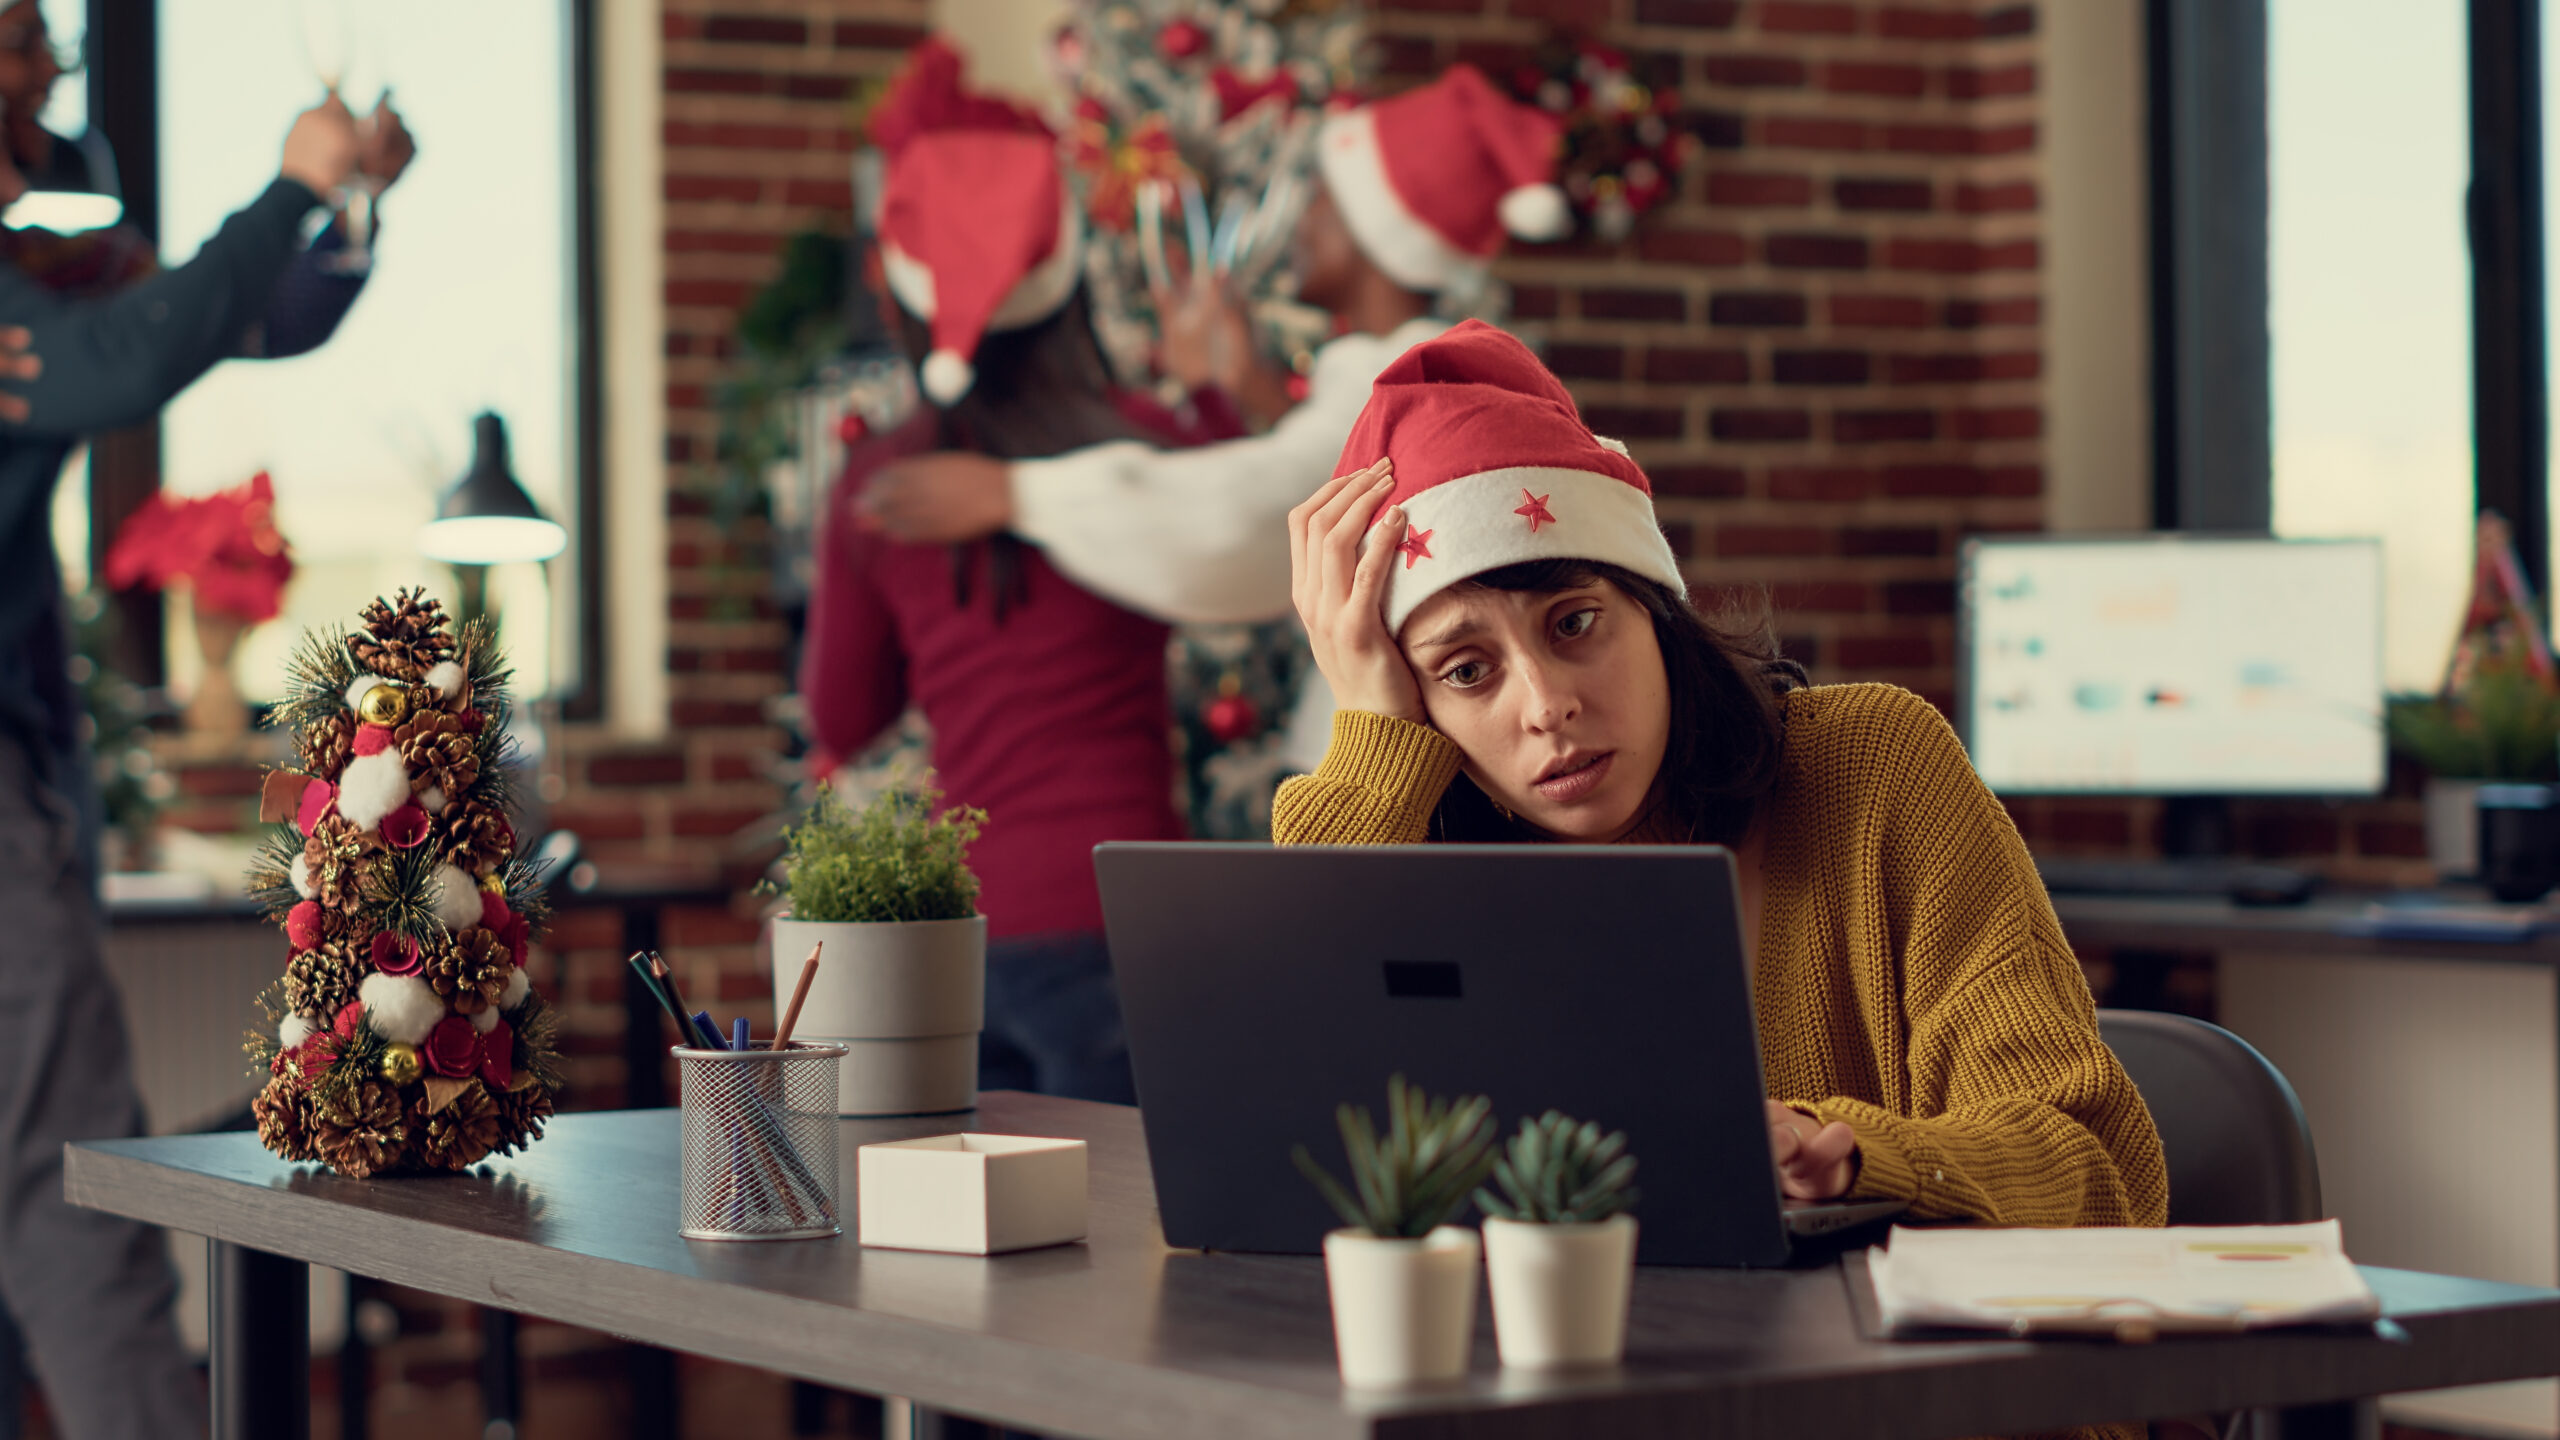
446 677
300 872
947 376
294 1031
455 898
359 685
371 787
1536 212
400 1008
519 985
1394 238
1033 298
1475 526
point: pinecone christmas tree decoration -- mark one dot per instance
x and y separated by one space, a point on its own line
412 1039
403 638
323 981
361 1129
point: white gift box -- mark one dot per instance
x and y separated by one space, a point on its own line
970 1194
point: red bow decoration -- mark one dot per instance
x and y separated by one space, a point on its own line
1115 165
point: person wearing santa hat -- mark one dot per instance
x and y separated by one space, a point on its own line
1509 638
1047 704
1418 194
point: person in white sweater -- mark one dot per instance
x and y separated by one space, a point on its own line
1418 193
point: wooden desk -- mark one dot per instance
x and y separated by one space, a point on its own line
2430 1070
1120 1337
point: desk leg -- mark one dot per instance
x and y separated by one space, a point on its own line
261 1345
501 1376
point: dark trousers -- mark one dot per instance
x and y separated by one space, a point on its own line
90 1293
1053 1019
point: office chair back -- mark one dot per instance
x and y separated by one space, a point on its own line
2238 1149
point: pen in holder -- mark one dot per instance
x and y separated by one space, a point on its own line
759 1143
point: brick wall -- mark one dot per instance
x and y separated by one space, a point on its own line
1825 346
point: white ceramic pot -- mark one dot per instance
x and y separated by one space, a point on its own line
1560 1291
1404 1311
2453 827
905 999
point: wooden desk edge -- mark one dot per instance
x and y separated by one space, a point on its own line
1024 1385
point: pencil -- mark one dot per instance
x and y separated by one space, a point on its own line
799 992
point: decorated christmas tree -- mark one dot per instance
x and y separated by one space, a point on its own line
406 1034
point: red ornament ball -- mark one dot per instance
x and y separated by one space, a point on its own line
1182 39
302 924
452 1048
1231 718
852 429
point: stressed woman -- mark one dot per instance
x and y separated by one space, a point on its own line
1514 658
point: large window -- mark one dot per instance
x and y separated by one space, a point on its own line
471 305
2369 300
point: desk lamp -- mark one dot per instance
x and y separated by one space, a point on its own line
487 518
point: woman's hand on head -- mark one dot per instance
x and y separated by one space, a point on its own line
1338 569
1815 1161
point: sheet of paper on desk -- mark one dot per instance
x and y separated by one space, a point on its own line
2126 1282
2432 917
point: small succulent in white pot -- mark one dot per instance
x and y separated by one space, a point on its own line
885 896
1559 1244
1403 1279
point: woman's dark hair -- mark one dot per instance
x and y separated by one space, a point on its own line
1728 686
1041 390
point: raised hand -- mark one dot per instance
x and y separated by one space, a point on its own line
320 149
1338 569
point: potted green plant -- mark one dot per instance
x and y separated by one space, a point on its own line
2502 727
1559 1245
1403 1279
884 897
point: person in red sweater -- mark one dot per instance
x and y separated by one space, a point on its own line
1048 705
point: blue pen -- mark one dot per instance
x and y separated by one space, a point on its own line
738 1034
703 1022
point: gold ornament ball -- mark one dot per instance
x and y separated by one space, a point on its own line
400 1064
384 704
495 882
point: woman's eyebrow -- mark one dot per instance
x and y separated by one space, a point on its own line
1450 636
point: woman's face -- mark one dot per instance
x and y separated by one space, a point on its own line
1559 700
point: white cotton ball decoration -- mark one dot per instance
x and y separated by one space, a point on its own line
486 1020
455 897
432 799
446 677
294 1031
948 376
359 685
400 1008
1537 212
518 986
300 871
371 787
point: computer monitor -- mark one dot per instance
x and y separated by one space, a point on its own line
2172 665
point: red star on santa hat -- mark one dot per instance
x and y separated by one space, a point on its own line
1416 545
1536 510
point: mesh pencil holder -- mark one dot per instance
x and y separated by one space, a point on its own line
759 1143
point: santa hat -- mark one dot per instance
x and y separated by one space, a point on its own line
1430 181
1493 467
977 230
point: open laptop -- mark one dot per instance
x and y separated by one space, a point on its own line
1263 986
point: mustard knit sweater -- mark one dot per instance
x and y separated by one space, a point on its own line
1911 977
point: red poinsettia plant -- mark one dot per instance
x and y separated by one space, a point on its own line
225 546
